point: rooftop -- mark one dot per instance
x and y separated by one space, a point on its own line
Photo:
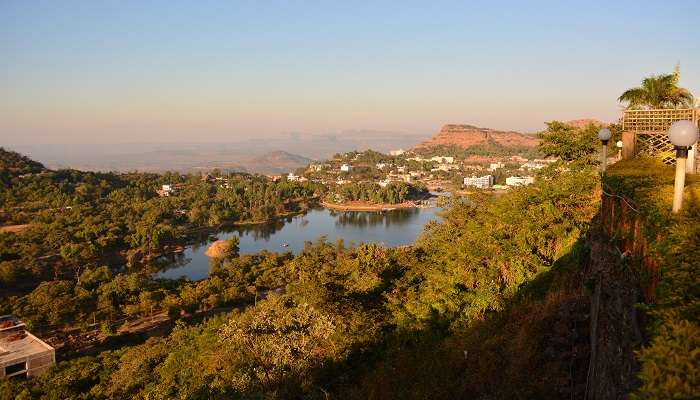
16 342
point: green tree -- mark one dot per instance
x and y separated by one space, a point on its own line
658 91
569 143
233 246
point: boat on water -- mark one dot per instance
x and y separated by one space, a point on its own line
285 244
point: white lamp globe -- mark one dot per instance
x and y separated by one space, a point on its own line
619 144
683 133
604 134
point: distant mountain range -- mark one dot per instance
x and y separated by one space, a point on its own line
267 155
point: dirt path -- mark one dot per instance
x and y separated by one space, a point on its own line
14 228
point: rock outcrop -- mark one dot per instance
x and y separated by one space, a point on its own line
466 136
218 249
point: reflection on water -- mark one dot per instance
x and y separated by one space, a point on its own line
364 219
391 228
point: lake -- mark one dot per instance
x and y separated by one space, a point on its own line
390 228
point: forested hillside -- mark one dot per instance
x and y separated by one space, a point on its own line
73 221
344 314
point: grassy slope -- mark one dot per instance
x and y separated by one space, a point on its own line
670 363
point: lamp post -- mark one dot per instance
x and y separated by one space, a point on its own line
683 134
604 135
619 145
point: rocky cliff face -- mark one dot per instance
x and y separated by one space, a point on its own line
466 136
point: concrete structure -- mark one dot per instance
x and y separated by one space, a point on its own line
496 165
346 168
481 182
397 152
531 165
317 167
445 167
443 159
21 353
293 178
166 190
519 180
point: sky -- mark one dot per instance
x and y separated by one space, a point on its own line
217 71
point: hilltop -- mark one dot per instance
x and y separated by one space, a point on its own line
277 162
467 136
16 163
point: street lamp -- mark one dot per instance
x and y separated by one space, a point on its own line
683 134
619 145
604 135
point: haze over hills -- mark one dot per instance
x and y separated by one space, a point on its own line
271 155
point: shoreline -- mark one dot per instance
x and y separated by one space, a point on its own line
194 235
363 206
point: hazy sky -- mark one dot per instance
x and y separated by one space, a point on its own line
162 71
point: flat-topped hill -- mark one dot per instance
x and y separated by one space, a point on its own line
466 136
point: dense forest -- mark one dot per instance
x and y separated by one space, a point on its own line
491 148
392 193
73 221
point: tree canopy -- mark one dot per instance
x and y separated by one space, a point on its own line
658 91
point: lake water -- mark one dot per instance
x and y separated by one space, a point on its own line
391 228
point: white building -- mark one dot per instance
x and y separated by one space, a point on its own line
445 167
443 159
293 178
166 190
346 168
531 165
397 152
481 182
519 180
496 165
381 165
317 167
22 354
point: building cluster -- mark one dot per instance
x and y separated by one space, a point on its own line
168 190
488 181
435 171
296 178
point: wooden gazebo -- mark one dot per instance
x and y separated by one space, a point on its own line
644 133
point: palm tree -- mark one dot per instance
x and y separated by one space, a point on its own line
658 91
